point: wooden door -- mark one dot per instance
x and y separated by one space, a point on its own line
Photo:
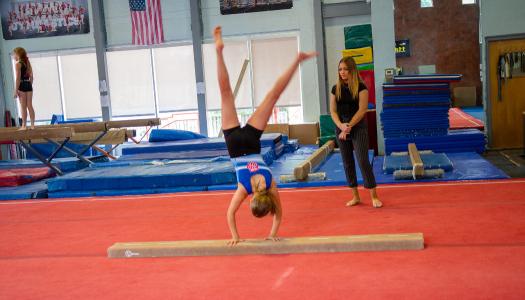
506 115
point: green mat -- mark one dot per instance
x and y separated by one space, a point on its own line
327 126
324 139
358 36
363 67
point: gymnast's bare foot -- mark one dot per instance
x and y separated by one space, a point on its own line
32 127
217 34
376 203
302 56
22 128
353 202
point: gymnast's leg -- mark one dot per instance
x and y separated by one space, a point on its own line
228 111
262 114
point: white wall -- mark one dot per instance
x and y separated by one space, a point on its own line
335 42
499 17
384 54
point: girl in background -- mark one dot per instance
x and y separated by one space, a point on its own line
24 86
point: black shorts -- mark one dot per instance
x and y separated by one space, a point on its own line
243 140
25 86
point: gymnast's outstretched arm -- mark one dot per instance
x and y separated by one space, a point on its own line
239 196
278 212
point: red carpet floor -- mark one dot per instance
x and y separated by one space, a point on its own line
461 120
474 232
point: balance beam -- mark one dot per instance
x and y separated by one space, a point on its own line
418 168
353 243
311 177
133 123
303 169
117 136
37 133
417 164
78 127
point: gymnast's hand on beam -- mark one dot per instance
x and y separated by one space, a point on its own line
234 242
273 238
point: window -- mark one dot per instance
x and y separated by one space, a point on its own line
46 85
269 57
468 2
131 92
80 86
427 3
175 78
234 55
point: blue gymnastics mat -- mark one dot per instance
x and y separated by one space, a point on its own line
134 177
392 163
461 140
67 164
430 78
117 181
269 155
267 140
332 166
467 166
107 193
35 190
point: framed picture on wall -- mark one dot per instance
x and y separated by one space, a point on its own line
23 19
229 7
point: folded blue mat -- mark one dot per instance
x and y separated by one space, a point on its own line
167 135
414 87
268 154
267 140
430 161
145 177
431 78
35 190
467 166
462 140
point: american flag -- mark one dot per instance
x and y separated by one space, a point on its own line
146 22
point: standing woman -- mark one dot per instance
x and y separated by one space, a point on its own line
24 86
348 106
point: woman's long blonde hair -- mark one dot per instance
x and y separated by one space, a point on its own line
22 55
353 79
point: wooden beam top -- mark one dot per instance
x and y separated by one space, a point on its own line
376 242
133 123
37 133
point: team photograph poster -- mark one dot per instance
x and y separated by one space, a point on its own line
229 7
22 19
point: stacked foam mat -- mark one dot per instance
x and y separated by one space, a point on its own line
175 166
415 110
327 129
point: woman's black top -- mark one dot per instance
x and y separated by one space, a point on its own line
347 105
